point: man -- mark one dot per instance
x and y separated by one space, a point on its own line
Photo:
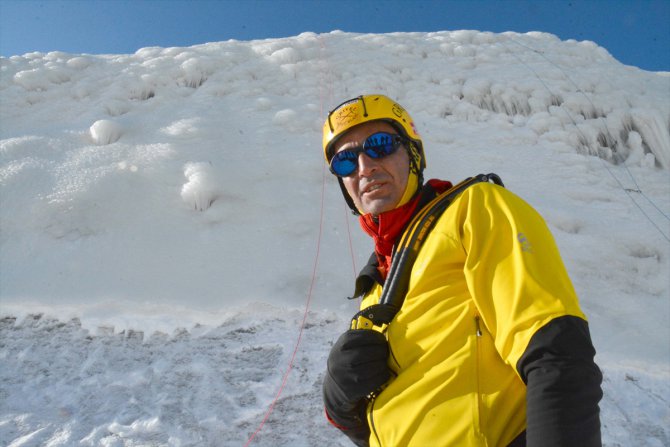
489 347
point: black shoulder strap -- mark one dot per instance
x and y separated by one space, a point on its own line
397 281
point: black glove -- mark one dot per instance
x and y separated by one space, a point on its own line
357 366
358 363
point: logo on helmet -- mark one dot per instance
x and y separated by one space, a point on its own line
411 123
397 110
346 115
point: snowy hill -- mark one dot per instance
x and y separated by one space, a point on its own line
167 220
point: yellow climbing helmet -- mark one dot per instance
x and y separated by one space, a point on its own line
366 108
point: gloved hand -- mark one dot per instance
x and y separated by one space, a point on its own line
357 366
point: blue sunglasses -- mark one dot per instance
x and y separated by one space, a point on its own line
377 145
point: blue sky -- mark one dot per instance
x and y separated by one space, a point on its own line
634 32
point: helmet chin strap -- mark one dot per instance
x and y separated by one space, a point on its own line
347 198
411 188
415 177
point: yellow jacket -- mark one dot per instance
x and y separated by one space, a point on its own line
487 278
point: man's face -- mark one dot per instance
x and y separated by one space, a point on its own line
378 184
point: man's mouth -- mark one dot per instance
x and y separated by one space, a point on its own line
372 188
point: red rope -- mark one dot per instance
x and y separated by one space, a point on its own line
304 318
307 303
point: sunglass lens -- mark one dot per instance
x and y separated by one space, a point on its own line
379 145
344 163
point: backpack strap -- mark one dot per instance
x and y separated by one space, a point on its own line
405 253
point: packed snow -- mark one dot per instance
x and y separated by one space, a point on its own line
175 258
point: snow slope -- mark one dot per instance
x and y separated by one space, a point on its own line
166 219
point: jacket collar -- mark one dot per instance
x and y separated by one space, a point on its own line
386 228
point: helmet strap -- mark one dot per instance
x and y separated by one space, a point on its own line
348 199
411 188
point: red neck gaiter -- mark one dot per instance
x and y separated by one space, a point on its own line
386 228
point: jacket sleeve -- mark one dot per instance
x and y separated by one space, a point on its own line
526 300
563 386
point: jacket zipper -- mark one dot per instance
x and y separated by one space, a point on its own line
393 357
373 429
478 334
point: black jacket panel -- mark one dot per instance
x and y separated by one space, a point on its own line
563 386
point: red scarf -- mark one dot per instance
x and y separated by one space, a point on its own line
386 228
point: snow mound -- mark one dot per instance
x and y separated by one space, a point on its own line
105 132
202 188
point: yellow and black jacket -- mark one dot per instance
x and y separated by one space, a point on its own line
490 347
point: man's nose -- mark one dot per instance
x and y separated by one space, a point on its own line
367 164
